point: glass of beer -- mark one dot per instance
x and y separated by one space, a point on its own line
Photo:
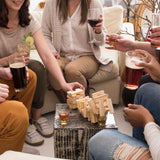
18 70
155 23
63 116
133 72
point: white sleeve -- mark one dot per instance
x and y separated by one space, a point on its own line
152 136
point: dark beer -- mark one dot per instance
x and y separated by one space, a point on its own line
19 75
93 22
133 76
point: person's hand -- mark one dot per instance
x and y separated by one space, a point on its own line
26 56
154 38
27 73
121 44
56 55
137 115
5 73
150 64
72 86
98 27
4 91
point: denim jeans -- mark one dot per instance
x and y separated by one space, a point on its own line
103 144
148 95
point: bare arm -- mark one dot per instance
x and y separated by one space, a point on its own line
124 45
51 63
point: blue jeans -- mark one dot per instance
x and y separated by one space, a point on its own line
103 144
148 95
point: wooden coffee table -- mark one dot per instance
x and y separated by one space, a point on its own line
71 141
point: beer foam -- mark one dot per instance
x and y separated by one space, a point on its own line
131 64
17 65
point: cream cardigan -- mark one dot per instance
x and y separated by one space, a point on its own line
51 25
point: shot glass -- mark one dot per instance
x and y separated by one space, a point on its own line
18 70
63 116
133 72
102 118
112 39
155 23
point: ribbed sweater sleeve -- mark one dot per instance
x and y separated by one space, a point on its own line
152 136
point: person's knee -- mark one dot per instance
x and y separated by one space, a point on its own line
148 90
37 67
18 115
71 71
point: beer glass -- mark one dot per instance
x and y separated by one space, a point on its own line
155 23
18 70
133 72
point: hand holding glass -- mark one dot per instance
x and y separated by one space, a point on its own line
112 39
155 23
93 18
18 70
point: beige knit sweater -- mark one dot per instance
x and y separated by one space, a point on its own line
51 25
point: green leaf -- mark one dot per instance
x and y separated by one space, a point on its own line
29 34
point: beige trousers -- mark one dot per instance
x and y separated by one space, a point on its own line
14 115
76 71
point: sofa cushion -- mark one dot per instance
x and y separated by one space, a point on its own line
113 18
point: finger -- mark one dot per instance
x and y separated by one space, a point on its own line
4 86
2 99
132 106
110 47
23 54
4 93
155 29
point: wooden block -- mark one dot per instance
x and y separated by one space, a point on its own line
102 113
110 106
94 95
93 106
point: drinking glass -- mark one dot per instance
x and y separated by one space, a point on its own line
63 116
133 72
18 70
155 23
93 18
22 47
102 117
112 39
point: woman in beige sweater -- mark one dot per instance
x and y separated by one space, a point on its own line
65 24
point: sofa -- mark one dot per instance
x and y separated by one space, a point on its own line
110 82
